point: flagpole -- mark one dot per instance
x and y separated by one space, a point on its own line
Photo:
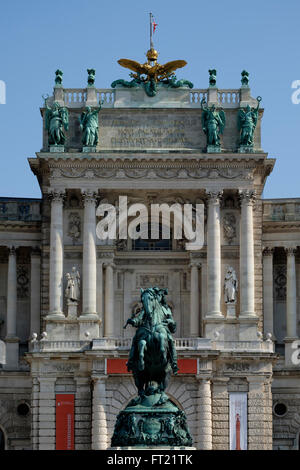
151 42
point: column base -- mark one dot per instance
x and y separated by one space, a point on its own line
215 314
89 316
247 315
55 316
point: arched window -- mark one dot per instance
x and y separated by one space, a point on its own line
145 242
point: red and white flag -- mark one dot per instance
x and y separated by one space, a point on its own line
154 25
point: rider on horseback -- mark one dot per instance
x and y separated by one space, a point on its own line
161 330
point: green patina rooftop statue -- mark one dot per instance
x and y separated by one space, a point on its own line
247 121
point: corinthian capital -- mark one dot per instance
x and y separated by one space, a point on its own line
291 251
56 195
247 196
214 197
89 195
267 251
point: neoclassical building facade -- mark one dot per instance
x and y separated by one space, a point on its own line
238 371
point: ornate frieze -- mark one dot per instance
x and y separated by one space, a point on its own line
151 279
164 173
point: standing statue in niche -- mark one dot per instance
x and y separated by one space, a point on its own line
247 121
89 124
230 285
73 285
213 123
56 120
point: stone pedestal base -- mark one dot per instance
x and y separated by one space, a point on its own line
88 329
246 149
72 309
231 313
89 149
57 148
213 149
150 423
231 329
72 329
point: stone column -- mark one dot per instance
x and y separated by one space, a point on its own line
83 412
247 308
204 411
100 291
194 299
35 413
35 288
109 300
220 413
268 290
259 412
99 419
89 262
11 319
291 295
47 425
127 299
56 256
213 256
12 341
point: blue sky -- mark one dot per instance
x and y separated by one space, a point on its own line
37 37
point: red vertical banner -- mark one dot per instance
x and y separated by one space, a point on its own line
64 422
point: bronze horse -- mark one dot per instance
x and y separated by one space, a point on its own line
153 356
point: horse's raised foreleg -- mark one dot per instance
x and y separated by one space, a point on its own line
141 348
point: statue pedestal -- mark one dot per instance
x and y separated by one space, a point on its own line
231 313
56 148
89 149
245 149
72 309
149 424
213 149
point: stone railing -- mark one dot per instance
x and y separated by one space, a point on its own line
125 343
244 346
107 95
60 345
281 210
112 344
27 210
196 96
229 98
119 344
76 97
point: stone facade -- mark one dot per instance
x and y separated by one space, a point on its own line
152 150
